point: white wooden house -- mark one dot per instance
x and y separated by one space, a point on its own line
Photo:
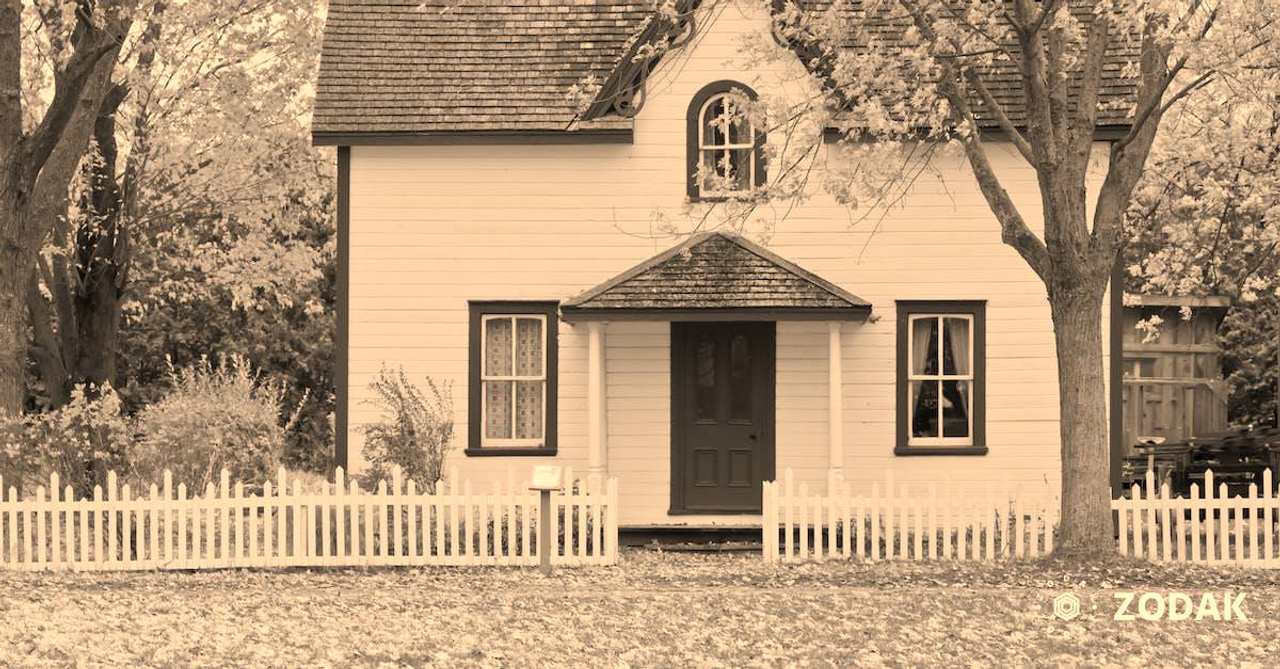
490 236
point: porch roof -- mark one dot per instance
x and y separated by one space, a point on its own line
717 276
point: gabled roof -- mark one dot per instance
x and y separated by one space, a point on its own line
429 68
389 67
716 275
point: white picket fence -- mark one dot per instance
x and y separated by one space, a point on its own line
954 523
283 526
1204 528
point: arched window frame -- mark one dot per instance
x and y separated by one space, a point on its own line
700 102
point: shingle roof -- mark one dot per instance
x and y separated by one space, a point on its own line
716 271
1115 96
387 66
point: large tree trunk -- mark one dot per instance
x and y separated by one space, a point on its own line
15 270
1086 494
98 318
100 248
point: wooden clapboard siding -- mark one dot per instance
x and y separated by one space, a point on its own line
434 226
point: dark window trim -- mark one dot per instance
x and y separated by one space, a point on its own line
479 308
341 372
691 132
902 390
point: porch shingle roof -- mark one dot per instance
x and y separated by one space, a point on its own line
718 272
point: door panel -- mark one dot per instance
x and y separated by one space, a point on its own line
722 415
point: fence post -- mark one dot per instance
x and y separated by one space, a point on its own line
767 520
544 532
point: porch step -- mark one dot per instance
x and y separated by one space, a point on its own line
710 547
690 538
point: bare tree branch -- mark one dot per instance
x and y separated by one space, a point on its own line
69 98
1080 136
1035 89
997 110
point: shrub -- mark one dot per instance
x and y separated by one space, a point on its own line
80 442
414 433
214 417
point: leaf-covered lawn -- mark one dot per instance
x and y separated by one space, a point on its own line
654 609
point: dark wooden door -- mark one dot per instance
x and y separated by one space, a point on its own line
722 386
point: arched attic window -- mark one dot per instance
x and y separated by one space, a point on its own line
726 153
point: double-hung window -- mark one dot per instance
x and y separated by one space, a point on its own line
513 378
726 148
941 378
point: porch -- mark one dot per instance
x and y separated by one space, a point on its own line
723 335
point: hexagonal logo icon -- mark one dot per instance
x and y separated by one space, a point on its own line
1066 606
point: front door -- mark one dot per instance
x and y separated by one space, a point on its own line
722 409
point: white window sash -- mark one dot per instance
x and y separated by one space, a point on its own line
485 439
939 378
724 149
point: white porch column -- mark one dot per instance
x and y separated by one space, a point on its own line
835 400
596 437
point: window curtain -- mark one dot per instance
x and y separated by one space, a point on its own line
498 362
922 344
924 347
958 337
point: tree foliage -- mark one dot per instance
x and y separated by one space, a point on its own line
1206 221
200 222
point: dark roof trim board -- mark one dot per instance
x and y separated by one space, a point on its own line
857 314
595 303
474 137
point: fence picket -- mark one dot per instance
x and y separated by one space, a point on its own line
802 550
902 521
1251 536
611 538
55 526
875 521
1196 503
887 527
790 518
1268 500
1179 535
1224 523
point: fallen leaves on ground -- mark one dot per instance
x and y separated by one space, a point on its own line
668 609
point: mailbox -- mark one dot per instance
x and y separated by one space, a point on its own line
547 478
